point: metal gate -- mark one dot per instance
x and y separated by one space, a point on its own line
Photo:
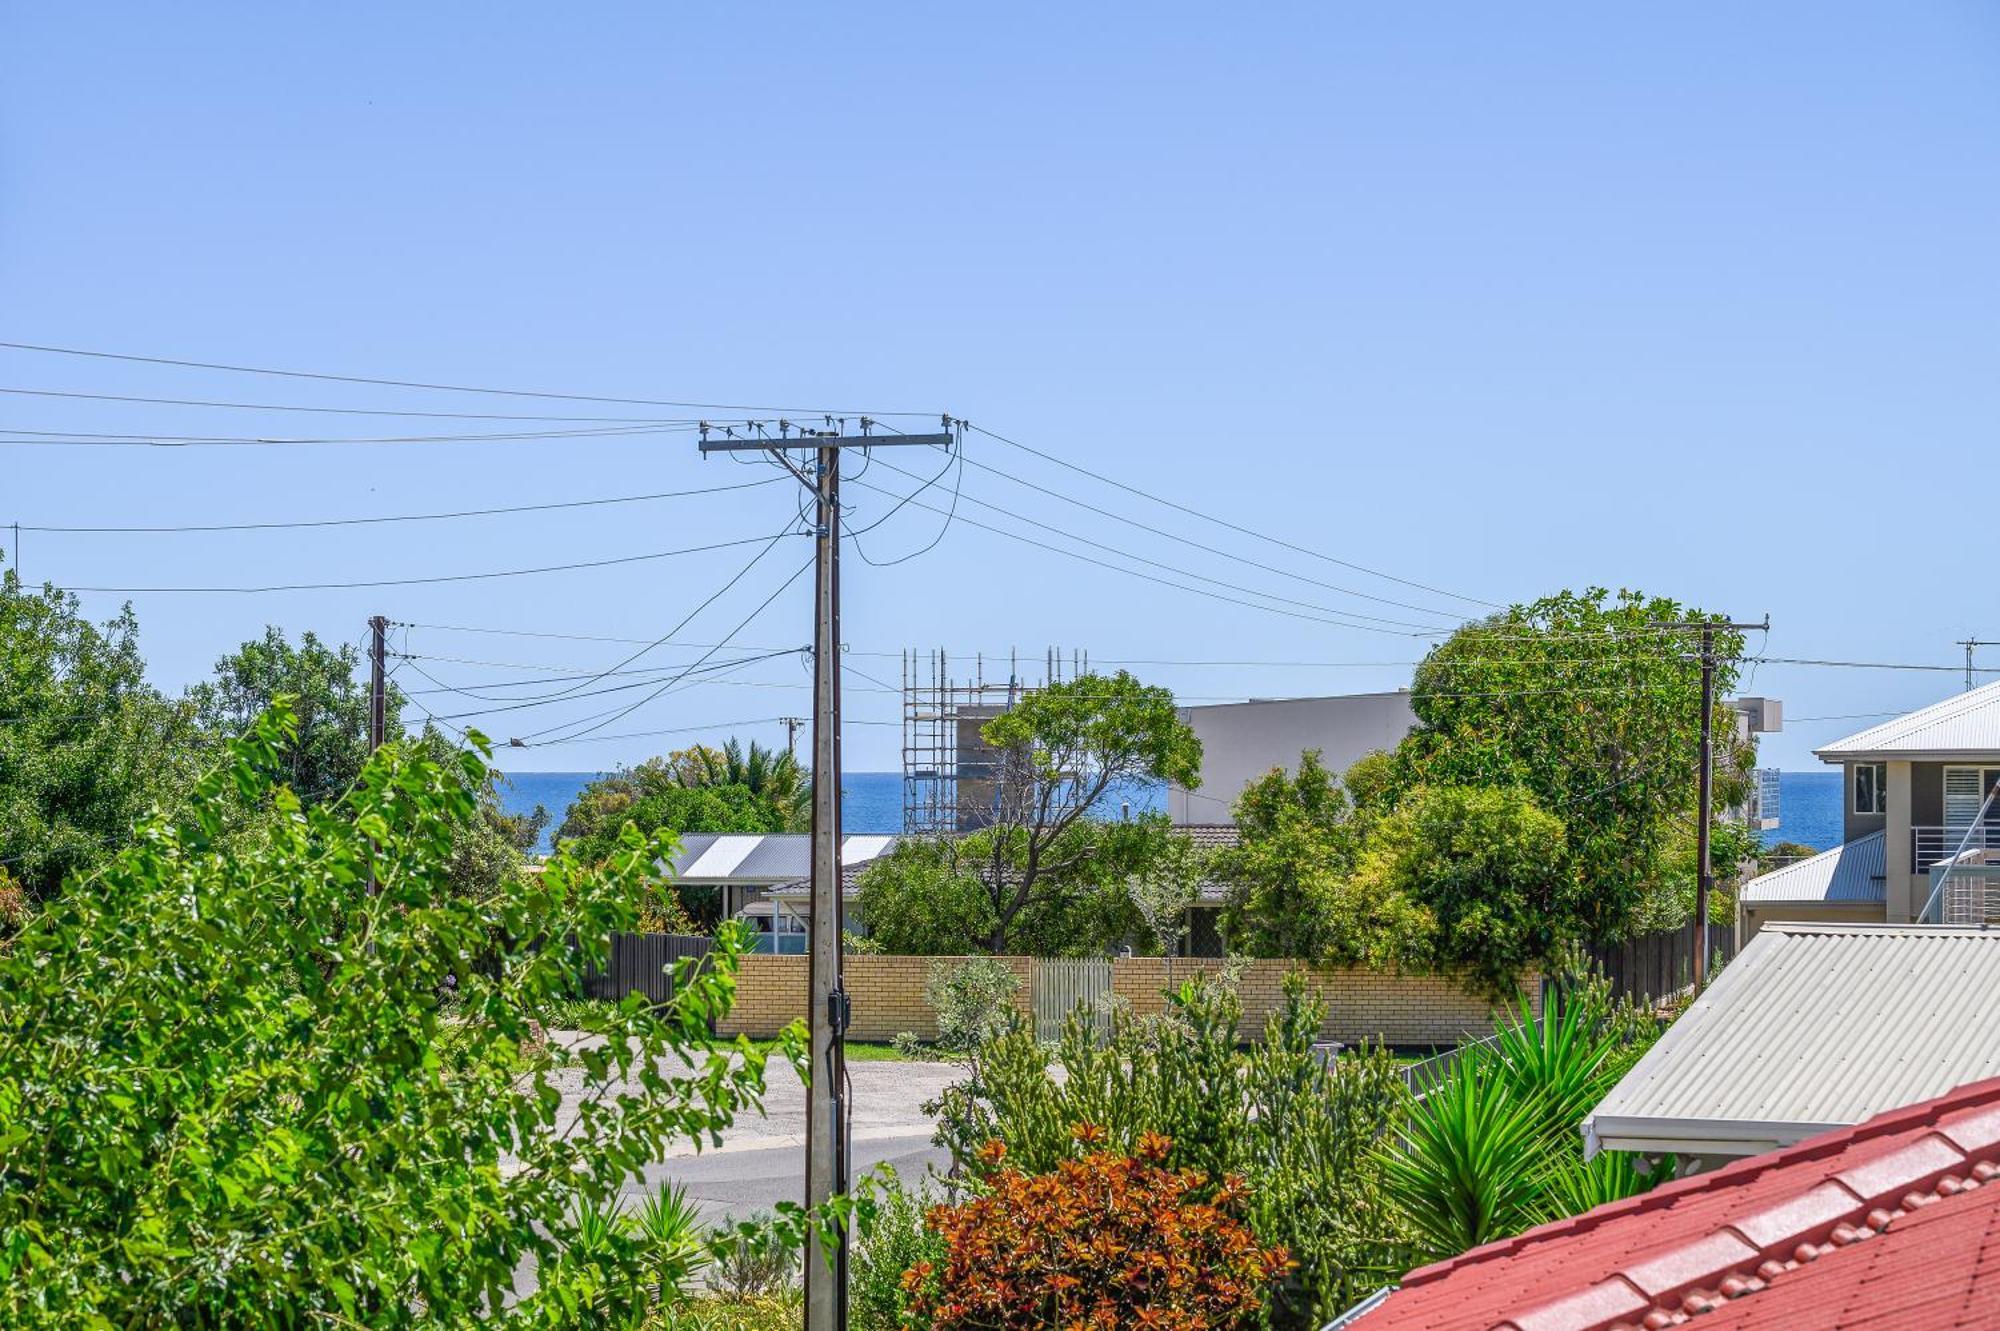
1061 983
642 962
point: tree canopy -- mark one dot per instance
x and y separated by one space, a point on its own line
1584 701
328 696
87 747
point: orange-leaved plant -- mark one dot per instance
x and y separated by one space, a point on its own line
1101 1241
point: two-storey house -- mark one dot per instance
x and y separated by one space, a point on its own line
1921 837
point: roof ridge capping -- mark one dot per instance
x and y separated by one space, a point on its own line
1959 1153
1945 709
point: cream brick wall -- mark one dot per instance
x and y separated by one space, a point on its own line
886 995
1379 1006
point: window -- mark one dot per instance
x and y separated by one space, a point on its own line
1871 788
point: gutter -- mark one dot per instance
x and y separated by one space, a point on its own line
1695 1136
1360 1310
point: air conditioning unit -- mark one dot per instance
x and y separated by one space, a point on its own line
1763 716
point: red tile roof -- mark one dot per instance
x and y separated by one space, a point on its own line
1894 1223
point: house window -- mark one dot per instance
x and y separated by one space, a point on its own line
1871 788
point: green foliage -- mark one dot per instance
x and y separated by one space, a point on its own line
676 794
1302 1134
285 1125
974 1001
1483 869
1165 887
892 1239
1493 1147
1579 699
773 777
326 693
86 746
756 1260
1292 892
948 896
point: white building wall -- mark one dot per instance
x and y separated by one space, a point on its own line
1241 741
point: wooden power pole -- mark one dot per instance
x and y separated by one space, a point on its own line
1704 882
827 1133
378 681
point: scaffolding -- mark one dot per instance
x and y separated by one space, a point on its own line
951 775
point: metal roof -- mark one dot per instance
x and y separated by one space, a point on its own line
1813 1026
1966 725
1854 873
781 857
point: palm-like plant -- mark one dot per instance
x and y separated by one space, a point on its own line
773 776
669 1228
1469 1168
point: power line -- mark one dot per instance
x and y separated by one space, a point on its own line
428 387
1218 596
1172 568
607 718
1210 549
1223 522
406 517
425 581
337 411
165 439
524 704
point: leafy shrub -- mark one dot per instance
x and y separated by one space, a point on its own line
1299 1132
1104 1241
974 1002
13 905
891 1238
755 1260
286 1127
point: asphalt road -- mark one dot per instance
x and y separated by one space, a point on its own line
762 1159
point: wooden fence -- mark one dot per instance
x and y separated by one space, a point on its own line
642 963
1655 965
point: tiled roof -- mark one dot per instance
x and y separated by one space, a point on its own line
1811 1027
1894 1223
1850 874
1211 836
1966 724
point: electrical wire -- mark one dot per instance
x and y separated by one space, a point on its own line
605 719
424 581
957 485
426 387
1183 572
339 411
405 517
1179 539
1223 522
1218 596
166 439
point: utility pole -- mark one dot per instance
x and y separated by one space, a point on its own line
827 1129
1969 644
1704 883
791 725
378 681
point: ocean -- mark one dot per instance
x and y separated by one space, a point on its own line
872 802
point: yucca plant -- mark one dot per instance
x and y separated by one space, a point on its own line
1608 1176
1562 1062
669 1227
1471 1163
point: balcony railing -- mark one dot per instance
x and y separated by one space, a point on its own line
1931 846
1964 891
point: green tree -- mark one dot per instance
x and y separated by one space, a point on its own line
286 1125
327 693
935 896
642 796
1584 701
87 747
1166 887
771 776
1488 870
1063 750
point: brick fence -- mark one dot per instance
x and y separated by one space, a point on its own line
887 995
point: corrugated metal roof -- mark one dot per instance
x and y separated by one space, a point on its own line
780 857
1967 724
1852 873
1813 1027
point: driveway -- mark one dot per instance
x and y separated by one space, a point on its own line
762 1159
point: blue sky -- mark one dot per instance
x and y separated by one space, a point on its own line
1496 299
